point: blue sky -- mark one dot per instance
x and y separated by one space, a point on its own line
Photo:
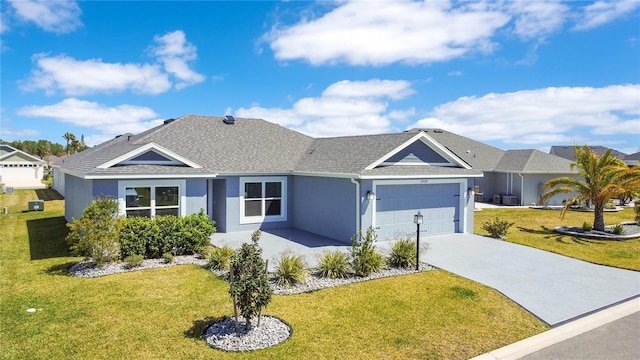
513 74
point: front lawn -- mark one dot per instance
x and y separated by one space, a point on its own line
534 227
161 313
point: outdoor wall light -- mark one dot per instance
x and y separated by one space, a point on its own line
371 195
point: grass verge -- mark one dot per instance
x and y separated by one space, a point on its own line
534 228
161 313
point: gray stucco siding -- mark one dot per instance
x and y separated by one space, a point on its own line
58 180
325 206
232 203
196 194
418 152
107 188
79 194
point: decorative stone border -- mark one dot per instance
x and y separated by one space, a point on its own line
222 335
631 231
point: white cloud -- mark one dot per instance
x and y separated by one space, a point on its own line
63 73
359 33
536 19
175 52
455 73
602 12
60 17
81 77
344 108
540 116
110 121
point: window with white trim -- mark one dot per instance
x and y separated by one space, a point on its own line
263 199
151 198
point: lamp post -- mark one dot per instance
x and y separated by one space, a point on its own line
417 219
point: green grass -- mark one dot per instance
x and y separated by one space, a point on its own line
161 313
535 228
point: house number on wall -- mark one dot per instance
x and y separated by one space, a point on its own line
424 181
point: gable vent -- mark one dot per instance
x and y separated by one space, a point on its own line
229 120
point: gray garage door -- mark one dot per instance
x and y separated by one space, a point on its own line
397 204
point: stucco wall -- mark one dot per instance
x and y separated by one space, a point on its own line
232 205
78 195
196 195
58 180
325 206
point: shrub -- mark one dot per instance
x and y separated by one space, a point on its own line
96 234
610 205
290 270
168 258
333 265
587 226
195 233
219 258
133 261
403 254
249 286
137 235
618 229
169 237
364 258
497 228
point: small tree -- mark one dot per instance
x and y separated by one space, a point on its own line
96 234
365 260
249 286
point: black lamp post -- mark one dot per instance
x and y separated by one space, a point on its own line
417 219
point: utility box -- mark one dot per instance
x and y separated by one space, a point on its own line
8 190
36 205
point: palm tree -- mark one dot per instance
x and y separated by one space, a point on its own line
603 178
69 137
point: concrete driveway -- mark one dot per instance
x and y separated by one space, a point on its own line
554 288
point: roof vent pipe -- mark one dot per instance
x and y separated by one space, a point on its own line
229 120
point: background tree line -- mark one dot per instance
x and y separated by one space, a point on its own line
42 148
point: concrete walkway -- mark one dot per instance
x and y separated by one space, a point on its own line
275 242
555 288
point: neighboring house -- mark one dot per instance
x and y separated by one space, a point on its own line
19 169
568 152
251 174
512 177
632 159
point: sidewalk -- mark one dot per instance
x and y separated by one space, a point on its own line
573 331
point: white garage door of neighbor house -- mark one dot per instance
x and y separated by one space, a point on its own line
20 172
397 204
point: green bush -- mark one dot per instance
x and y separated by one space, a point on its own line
169 238
333 265
133 261
290 269
365 260
137 234
166 234
219 258
96 235
168 258
497 228
587 226
403 254
618 229
196 232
